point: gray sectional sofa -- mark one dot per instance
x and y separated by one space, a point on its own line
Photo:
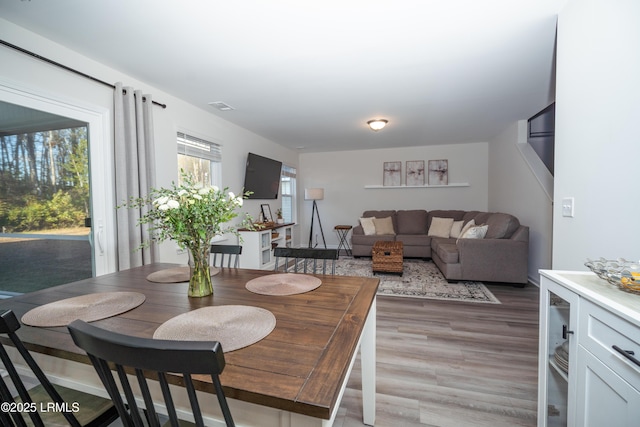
500 256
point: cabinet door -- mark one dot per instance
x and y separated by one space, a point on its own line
557 354
604 398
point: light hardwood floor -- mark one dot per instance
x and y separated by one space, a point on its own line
451 364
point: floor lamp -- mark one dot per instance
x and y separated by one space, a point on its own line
315 194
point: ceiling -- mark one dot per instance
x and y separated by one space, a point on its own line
308 75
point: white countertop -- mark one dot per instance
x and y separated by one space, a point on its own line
590 286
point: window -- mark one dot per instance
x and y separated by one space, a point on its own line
288 191
200 159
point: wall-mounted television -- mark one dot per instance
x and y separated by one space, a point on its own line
262 177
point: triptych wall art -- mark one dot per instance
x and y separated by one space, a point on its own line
437 173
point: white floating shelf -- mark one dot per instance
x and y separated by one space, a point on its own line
455 184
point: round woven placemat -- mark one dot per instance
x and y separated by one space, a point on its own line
234 326
90 307
176 275
283 284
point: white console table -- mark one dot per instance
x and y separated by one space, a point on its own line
599 325
257 245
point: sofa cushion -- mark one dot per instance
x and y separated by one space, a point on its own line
414 239
383 225
448 252
501 226
368 226
411 221
440 227
361 239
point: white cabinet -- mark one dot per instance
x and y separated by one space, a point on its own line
258 245
589 354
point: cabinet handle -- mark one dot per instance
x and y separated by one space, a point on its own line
627 353
565 332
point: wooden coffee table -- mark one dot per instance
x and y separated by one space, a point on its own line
387 257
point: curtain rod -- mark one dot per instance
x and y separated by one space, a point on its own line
57 64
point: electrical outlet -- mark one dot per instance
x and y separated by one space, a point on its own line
568 207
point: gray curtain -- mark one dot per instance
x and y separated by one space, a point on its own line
134 172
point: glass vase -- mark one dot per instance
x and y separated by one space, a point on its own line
200 275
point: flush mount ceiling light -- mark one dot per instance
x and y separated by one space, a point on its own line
377 124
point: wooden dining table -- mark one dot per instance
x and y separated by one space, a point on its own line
295 376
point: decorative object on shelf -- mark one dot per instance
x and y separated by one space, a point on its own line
392 174
191 215
315 194
266 213
622 273
415 172
279 218
377 124
438 172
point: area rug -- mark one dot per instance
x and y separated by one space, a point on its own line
420 279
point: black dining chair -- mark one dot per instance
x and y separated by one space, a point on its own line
41 403
229 252
306 260
151 358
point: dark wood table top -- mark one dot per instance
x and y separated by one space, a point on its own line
299 367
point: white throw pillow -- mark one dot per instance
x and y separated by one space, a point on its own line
477 232
467 226
384 225
440 227
367 226
456 228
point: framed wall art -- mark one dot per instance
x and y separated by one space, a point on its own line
415 172
392 175
266 213
438 172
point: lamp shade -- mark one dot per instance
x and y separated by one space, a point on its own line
314 193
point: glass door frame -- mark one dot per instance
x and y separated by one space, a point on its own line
102 235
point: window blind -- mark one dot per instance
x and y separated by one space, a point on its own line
196 147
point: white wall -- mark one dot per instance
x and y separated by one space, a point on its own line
513 188
23 71
344 174
597 145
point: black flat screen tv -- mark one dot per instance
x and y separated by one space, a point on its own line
262 177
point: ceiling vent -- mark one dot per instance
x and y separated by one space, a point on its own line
221 106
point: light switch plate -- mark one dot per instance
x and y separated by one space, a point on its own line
568 207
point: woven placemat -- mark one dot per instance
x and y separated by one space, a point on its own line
90 307
176 275
234 326
283 284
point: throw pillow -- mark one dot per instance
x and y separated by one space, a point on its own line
368 226
440 227
467 226
456 228
384 225
477 232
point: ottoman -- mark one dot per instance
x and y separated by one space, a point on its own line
387 257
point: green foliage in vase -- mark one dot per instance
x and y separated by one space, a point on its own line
189 213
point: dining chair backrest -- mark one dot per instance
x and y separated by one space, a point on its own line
167 360
306 260
89 411
229 252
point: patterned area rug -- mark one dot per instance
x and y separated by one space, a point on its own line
421 279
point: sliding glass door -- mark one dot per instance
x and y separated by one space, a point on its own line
48 230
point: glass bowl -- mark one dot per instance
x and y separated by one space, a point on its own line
620 272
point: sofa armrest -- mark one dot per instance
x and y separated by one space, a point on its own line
499 260
357 230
